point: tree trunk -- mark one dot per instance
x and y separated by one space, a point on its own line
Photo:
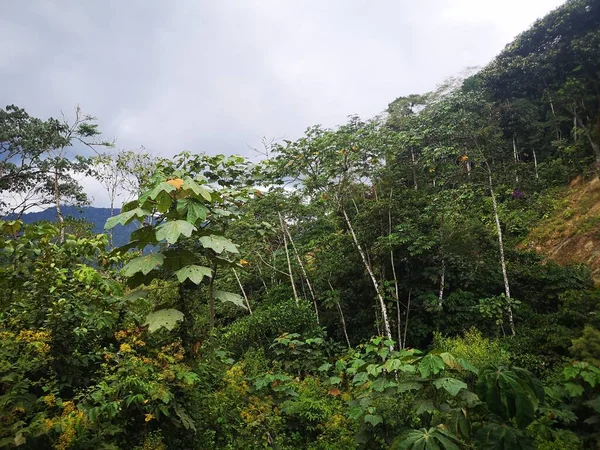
303 269
59 216
406 319
595 146
211 297
369 269
243 291
287 255
339 307
343 323
393 264
414 172
501 248
535 164
442 284
516 156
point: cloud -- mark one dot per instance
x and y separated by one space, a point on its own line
216 76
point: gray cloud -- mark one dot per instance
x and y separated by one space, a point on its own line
217 75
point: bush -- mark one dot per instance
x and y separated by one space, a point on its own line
262 327
473 347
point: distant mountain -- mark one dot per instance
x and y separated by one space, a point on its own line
96 216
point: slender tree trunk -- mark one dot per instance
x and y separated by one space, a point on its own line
261 278
535 164
243 291
442 284
414 172
211 297
406 319
287 255
303 269
339 307
59 216
393 264
399 325
369 269
516 156
501 248
112 213
595 145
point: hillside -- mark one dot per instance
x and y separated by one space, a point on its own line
96 216
571 233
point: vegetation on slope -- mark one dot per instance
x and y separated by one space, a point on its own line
373 296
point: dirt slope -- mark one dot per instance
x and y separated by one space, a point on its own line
571 234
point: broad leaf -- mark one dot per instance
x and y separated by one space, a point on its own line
125 217
230 297
170 231
195 211
218 243
162 187
190 184
373 419
194 273
452 385
431 365
166 318
143 264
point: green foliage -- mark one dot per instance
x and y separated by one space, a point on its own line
428 439
587 347
472 346
265 324
239 317
510 393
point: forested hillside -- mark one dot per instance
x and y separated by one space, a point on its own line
389 283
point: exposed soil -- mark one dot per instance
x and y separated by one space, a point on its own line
571 234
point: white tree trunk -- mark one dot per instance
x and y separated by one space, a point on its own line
243 291
442 284
303 269
501 248
287 255
61 219
369 269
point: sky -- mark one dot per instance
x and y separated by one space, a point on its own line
216 76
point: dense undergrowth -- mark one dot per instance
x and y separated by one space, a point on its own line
364 287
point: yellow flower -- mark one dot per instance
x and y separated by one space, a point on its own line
125 348
149 417
49 399
68 407
120 335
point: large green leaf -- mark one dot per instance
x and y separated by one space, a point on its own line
494 436
194 273
452 385
230 297
171 230
431 365
162 187
125 217
195 211
218 243
190 184
143 264
510 393
373 419
166 318
426 439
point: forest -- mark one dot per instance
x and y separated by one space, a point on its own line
423 280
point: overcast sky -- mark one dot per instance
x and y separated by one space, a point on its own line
218 75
